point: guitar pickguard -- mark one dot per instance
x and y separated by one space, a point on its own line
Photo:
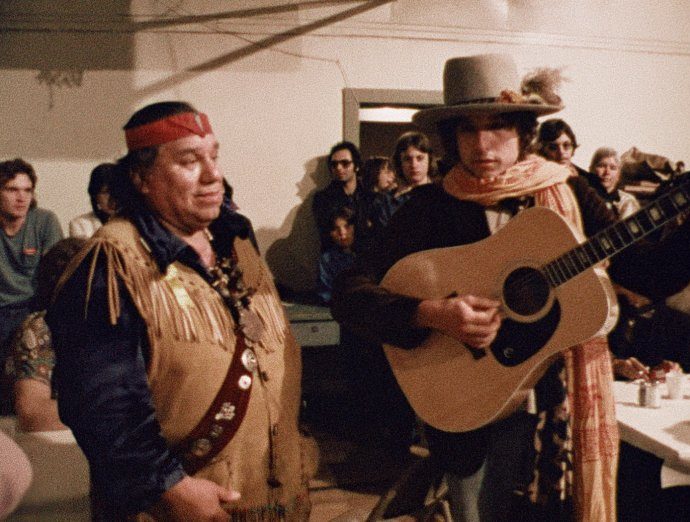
518 341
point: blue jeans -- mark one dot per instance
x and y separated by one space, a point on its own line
487 495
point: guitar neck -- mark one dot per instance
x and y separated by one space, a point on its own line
620 235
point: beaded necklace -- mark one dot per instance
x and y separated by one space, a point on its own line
228 281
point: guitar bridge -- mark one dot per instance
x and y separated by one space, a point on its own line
477 353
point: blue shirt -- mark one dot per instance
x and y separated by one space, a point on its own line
332 262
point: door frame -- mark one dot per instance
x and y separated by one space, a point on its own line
354 99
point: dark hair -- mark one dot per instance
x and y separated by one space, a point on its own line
371 169
101 177
51 266
344 212
419 141
550 130
141 160
524 122
354 151
10 169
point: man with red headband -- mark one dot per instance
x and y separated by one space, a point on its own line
176 368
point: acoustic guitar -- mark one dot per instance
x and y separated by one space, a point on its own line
554 294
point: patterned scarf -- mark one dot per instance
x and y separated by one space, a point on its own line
576 441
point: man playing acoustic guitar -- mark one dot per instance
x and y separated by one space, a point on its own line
460 314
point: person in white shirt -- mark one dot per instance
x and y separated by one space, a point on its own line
102 203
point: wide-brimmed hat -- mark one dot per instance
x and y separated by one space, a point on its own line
486 83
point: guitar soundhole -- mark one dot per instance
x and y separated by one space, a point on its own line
525 291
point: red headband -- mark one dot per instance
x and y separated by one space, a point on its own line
168 129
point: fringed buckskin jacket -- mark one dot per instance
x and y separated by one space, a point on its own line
143 343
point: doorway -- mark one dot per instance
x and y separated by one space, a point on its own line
373 119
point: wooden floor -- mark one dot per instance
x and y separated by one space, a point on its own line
364 450
358 463
351 478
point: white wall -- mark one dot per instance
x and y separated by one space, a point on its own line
276 107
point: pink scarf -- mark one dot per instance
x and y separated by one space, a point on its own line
590 403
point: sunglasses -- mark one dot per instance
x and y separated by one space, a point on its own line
343 163
553 146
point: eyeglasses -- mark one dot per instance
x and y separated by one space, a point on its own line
554 147
343 163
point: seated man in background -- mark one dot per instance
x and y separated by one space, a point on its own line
26 233
32 349
344 190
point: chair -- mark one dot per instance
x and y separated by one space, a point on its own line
419 493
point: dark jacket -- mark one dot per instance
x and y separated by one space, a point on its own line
434 219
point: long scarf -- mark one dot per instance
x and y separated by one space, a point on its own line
576 441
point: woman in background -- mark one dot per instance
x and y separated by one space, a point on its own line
102 204
378 175
606 166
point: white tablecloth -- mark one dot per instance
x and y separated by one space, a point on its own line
663 431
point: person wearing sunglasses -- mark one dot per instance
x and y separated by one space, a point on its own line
344 190
556 141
